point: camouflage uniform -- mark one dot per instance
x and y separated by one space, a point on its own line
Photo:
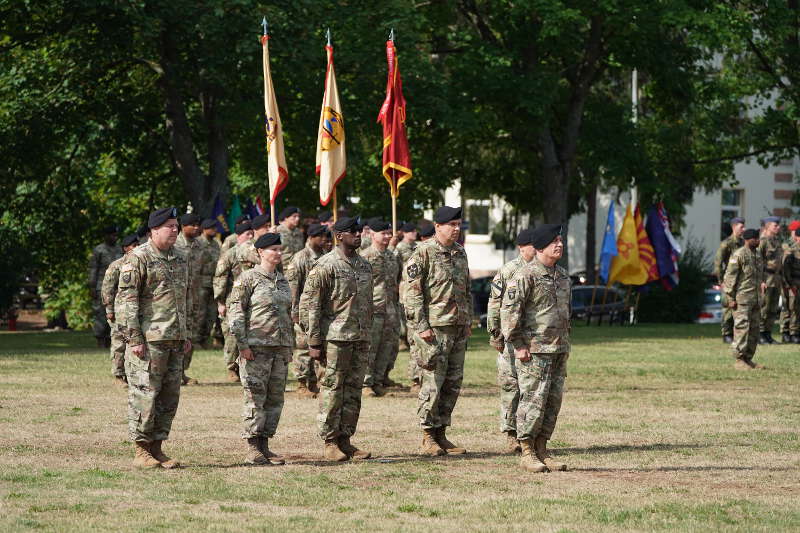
506 361
199 260
154 299
207 303
108 294
438 297
366 242
771 253
102 256
227 244
292 241
296 274
260 319
743 280
791 280
404 251
236 260
535 314
724 252
385 322
336 309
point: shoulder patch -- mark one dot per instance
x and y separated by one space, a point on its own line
413 270
512 294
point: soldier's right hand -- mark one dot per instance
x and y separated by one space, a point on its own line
427 335
522 354
139 350
732 304
110 317
316 352
247 353
221 310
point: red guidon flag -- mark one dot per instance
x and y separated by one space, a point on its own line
396 157
276 161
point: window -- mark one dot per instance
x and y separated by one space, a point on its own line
732 206
478 216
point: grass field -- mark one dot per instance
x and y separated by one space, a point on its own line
659 430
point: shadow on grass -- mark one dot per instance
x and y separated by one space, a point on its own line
709 468
622 448
317 460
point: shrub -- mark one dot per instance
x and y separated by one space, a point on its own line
72 298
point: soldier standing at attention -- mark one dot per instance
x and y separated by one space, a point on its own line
232 240
404 250
154 303
385 321
209 321
439 315
292 240
787 300
726 248
744 288
336 315
791 280
103 255
198 261
326 219
366 235
535 317
109 296
296 274
414 371
259 312
772 257
506 361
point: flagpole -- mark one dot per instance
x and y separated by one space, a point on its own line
634 119
271 199
335 215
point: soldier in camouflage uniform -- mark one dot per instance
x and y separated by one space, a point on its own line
385 321
791 281
109 296
438 304
229 267
414 370
366 235
259 312
336 315
506 362
744 288
292 240
103 255
296 274
404 249
726 248
535 318
787 297
771 253
210 321
231 240
154 302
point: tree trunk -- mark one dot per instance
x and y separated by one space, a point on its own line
591 232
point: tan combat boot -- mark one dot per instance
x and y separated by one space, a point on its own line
540 447
303 391
429 445
756 366
122 381
254 454
332 452
143 457
512 444
741 364
186 380
313 386
446 445
352 451
161 457
415 387
529 461
273 458
233 376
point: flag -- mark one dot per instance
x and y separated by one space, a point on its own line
647 255
671 280
235 212
661 245
626 267
260 205
276 161
219 215
250 209
609 249
331 160
396 157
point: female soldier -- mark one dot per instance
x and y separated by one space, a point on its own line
260 319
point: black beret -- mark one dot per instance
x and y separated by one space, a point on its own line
142 231
260 221
347 224
242 227
376 224
189 219
446 213
287 212
765 220
737 220
208 223
108 230
427 230
525 237
268 239
372 221
750 234
130 239
325 216
159 216
315 230
408 226
543 235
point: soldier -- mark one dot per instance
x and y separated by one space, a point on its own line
326 219
744 288
726 249
506 362
336 315
210 321
259 313
366 234
229 267
535 317
154 300
103 255
787 297
109 296
791 281
296 275
201 268
438 305
385 322
404 250
143 233
426 232
232 240
772 256
292 240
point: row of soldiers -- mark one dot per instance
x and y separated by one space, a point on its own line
780 261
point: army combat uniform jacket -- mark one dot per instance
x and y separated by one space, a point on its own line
498 289
771 253
111 285
385 275
230 266
724 253
260 307
102 256
292 241
297 273
744 276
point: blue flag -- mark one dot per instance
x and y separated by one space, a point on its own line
219 216
609 249
655 230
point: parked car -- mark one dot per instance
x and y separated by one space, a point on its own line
481 289
711 312
599 301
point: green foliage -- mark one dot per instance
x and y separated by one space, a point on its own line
71 298
15 262
683 303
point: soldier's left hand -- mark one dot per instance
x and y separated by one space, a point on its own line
522 354
187 346
763 287
468 331
110 317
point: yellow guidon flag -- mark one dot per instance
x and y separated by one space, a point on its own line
627 266
331 159
276 164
